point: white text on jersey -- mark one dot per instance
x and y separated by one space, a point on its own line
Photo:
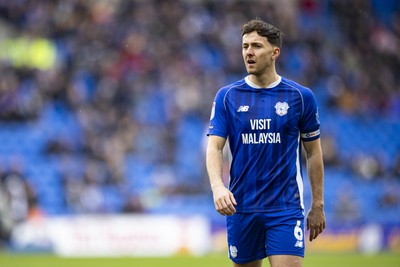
261 138
260 124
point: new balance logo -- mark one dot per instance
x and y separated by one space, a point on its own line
299 244
243 109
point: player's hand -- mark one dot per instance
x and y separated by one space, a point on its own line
315 222
224 200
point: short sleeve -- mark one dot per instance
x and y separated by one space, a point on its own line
218 118
309 124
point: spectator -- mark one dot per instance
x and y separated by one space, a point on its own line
120 80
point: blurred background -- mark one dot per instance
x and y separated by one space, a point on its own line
104 107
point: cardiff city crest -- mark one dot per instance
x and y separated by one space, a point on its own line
281 108
233 250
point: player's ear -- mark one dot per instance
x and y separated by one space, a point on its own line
276 52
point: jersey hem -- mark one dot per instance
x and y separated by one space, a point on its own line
268 210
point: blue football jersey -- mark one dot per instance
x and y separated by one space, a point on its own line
264 128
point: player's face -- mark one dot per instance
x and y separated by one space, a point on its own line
258 54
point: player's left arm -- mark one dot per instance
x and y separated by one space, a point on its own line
315 169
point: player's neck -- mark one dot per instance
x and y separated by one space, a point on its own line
265 80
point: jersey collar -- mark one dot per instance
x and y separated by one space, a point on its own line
272 85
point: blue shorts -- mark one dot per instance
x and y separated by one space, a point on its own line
254 236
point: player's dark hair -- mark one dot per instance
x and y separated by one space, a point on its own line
272 33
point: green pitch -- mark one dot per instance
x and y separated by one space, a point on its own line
215 260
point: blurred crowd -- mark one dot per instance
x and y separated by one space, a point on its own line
138 77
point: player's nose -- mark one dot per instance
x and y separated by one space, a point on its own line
249 51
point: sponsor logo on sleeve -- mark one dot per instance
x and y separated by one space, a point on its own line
212 111
310 135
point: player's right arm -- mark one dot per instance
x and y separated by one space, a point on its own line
224 200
